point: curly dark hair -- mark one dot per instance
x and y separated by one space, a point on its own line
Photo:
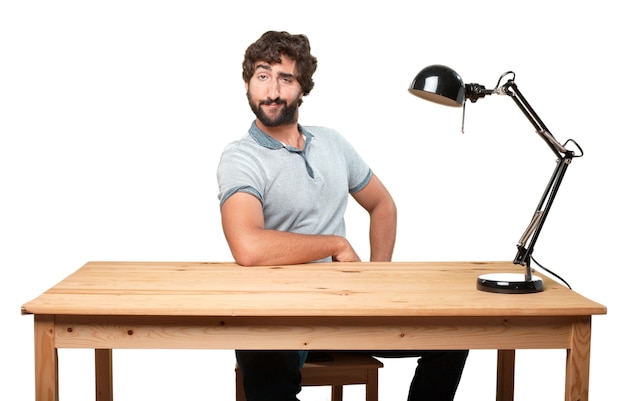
272 45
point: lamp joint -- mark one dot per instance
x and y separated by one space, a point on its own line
473 92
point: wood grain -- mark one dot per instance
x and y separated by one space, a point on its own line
341 306
328 289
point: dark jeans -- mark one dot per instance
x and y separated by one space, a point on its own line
275 375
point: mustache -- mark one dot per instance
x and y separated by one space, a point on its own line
268 102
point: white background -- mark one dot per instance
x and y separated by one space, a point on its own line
113 116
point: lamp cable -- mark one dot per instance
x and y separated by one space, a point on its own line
551 272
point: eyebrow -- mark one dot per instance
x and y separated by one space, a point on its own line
286 75
268 68
262 66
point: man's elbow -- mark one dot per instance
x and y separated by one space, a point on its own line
387 208
246 255
246 260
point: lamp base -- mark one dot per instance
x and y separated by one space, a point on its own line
509 283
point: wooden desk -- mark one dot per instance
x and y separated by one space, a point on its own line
108 305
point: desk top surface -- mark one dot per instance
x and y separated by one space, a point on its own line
399 289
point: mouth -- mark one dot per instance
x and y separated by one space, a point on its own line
272 107
272 103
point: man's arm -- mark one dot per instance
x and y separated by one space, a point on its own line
383 219
252 245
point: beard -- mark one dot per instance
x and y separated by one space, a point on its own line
286 116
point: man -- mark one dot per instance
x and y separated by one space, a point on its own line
283 192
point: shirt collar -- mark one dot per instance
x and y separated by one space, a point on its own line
267 141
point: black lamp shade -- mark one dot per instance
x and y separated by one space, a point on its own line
439 84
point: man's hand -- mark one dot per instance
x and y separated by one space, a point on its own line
346 253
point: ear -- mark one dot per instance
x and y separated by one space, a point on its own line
246 86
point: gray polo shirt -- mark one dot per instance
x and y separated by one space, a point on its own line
303 191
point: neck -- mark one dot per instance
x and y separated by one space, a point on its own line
286 133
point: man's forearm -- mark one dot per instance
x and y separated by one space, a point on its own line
383 225
271 247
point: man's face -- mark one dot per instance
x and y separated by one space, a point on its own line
274 92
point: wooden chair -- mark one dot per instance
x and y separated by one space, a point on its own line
345 368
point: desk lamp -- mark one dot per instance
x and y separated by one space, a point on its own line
441 84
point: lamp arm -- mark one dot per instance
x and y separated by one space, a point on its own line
524 247
510 89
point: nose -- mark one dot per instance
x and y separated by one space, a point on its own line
274 89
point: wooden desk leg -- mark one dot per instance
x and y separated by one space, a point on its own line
578 360
104 374
336 393
506 375
371 388
46 360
